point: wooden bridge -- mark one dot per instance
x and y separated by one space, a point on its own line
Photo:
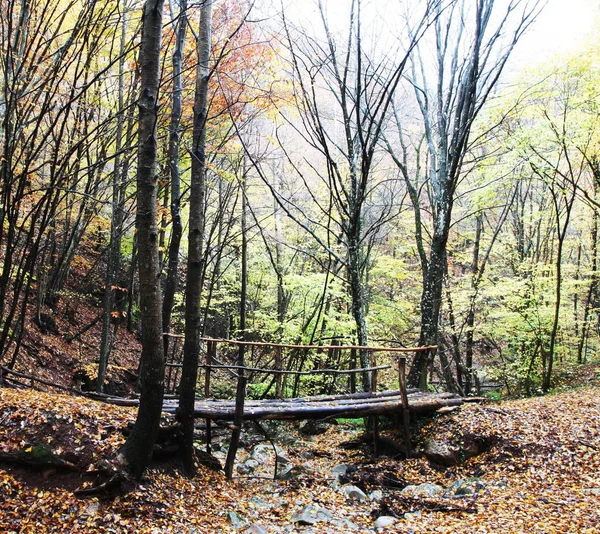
400 402
322 407
282 375
327 405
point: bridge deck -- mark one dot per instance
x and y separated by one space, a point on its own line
352 405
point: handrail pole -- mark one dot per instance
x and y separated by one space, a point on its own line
238 416
278 376
405 408
373 360
211 349
317 347
352 375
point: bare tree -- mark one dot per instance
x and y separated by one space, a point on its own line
343 97
118 212
136 453
54 142
181 23
193 289
472 42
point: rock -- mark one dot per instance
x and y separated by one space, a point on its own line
261 453
423 490
248 467
311 515
235 519
441 453
339 470
376 495
473 445
307 455
92 508
252 463
282 459
255 529
353 492
466 487
344 523
448 455
313 428
289 472
257 502
385 521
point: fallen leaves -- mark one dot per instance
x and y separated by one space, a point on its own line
541 475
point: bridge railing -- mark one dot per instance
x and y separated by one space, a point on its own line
242 372
282 368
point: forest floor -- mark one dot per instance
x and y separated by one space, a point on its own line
540 472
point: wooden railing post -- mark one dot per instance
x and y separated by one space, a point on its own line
211 349
238 415
373 360
375 418
405 409
352 366
278 376
211 352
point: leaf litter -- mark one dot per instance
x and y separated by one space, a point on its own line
540 473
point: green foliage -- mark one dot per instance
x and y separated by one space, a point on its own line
495 396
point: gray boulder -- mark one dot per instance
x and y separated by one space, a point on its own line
376 495
262 452
462 487
248 467
339 470
313 428
448 455
385 521
235 519
312 514
353 492
282 459
423 490
289 472
442 454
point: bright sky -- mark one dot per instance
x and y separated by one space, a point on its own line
562 27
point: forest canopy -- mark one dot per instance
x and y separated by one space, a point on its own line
315 176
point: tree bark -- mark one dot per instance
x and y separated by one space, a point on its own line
136 454
174 138
193 289
116 225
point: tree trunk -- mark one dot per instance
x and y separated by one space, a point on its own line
591 292
357 292
561 235
431 299
470 323
193 289
238 417
116 227
174 138
137 451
